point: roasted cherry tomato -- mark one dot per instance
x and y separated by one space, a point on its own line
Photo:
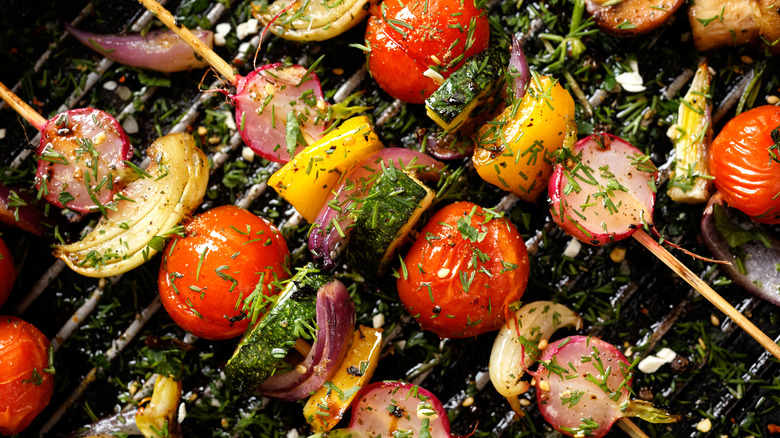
745 161
226 255
463 271
407 38
26 384
7 272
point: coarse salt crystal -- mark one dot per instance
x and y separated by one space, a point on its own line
2 133
123 92
652 363
572 249
247 154
130 125
246 28
110 85
222 29
219 40
631 81
378 320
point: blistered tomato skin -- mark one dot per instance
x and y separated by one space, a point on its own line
463 271
406 38
26 385
746 173
7 272
205 275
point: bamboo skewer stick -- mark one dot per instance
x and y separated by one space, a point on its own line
22 108
217 63
630 428
706 291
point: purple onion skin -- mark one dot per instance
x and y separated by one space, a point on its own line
446 147
324 237
335 323
761 277
158 50
30 218
520 64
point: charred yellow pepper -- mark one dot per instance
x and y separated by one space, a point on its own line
306 180
325 408
516 150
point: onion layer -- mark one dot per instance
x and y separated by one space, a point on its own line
337 215
520 342
277 110
158 50
335 323
518 68
81 159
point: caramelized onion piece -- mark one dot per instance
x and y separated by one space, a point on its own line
631 17
520 343
150 207
725 230
316 20
158 50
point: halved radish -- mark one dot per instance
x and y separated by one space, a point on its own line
81 159
274 103
603 190
583 386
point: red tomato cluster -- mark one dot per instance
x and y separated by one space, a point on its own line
26 385
745 161
407 38
206 275
463 271
7 272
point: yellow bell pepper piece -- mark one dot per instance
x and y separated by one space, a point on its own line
307 179
326 407
516 151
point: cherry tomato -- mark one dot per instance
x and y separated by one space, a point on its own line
745 161
26 385
7 272
463 271
406 38
206 276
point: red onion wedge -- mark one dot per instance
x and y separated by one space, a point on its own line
17 208
603 190
446 146
335 323
391 409
158 50
277 110
583 386
725 230
518 69
81 159
335 220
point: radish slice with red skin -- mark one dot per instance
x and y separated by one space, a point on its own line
158 50
81 159
583 386
384 408
325 235
603 190
264 100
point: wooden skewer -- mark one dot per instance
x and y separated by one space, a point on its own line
630 428
706 291
217 63
22 108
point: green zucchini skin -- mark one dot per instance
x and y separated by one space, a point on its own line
262 350
388 213
460 94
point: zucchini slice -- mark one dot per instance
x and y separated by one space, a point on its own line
389 212
460 94
262 350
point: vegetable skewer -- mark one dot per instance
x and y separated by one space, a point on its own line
603 192
294 90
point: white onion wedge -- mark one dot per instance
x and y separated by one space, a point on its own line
520 342
313 20
171 187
